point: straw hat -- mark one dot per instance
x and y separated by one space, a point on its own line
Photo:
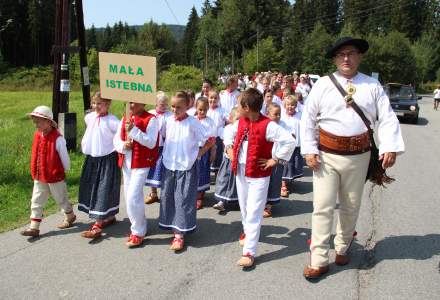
44 112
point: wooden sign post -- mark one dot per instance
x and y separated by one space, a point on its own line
129 78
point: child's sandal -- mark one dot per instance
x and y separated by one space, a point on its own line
94 232
134 241
151 198
267 213
284 192
199 204
246 261
30 232
67 223
177 244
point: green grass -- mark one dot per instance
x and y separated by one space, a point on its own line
16 133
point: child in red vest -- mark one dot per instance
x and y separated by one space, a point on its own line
137 143
250 147
49 162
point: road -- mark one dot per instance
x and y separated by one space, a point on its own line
396 255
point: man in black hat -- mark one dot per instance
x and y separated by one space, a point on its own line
340 155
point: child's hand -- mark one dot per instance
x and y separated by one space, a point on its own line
129 126
128 145
230 153
266 163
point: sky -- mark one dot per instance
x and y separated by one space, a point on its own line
138 12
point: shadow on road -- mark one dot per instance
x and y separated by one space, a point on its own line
294 243
402 247
421 122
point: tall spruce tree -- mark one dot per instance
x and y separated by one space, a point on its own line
190 37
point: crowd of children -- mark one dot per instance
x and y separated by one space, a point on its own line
248 139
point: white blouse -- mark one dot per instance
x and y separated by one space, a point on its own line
209 128
147 138
326 108
98 138
182 140
293 126
228 100
218 116
160 120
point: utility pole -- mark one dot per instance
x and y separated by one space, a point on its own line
65 39
57 60
61 84
85 80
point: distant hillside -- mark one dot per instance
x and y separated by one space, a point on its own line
177 30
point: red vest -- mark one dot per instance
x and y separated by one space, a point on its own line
46 165
258 146
141 156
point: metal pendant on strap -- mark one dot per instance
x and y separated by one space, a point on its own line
351 90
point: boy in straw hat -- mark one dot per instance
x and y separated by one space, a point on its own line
49 162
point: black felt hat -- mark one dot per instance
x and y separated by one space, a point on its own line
361 44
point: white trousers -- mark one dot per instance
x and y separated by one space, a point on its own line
343 176
40 195
252 195
134 180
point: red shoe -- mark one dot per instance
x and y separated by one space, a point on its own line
241 239
177 244
284 192
199 204
267 213
94 232
134 241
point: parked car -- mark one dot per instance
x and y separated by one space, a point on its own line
404 100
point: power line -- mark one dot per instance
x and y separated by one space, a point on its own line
169 7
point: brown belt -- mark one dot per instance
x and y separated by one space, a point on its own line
343 145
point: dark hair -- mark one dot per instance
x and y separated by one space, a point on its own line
252 98
276 86
231 80
206 80
267 91
204 100
183 95
191 94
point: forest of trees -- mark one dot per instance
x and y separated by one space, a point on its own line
248 36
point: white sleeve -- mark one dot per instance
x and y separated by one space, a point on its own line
221 132
113 124
117 142
285 141
388 127
229 135
62 152
309 140
147 138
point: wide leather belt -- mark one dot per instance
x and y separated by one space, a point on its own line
343 145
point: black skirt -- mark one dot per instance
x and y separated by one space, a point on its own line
99 187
